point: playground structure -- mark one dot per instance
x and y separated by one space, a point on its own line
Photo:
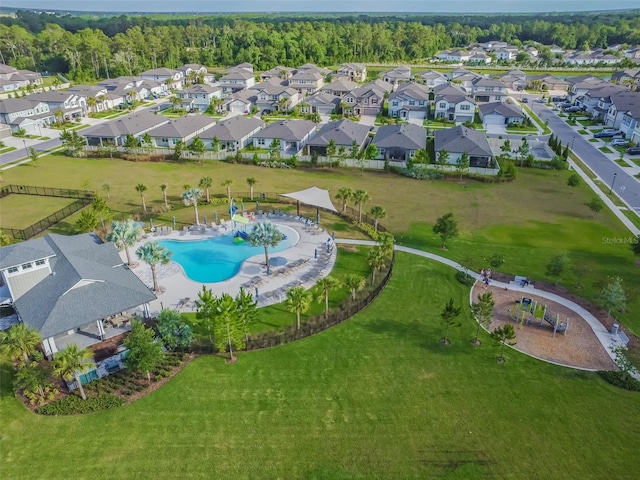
530 312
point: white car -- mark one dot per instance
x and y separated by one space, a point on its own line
619 142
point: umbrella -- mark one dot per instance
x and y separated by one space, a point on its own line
174 221
277 261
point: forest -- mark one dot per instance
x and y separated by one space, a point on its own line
86 48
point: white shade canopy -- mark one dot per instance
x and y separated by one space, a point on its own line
314 196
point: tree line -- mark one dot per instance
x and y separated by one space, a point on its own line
89 48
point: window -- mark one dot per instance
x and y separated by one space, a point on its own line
12 270
26 266
412 102
443 105
261 141
39 262
465 107
395 103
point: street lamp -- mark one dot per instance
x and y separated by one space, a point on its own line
612 183
26 150
572 140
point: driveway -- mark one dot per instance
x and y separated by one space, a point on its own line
608 171
495 129
369 120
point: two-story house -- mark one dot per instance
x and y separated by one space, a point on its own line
195 73
629 77
307 81
431 78
340 88
624 112
397 75
488 90
70 104
29 115
507 53
582 84
452 103
131 88
236 80
13 79
343 133
596 102
463 77
173 78
514 79
410 100
356 72
293 135
199 96
367 99
458 56
272 96
279 72
102 99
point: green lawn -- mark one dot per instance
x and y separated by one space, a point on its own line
583 132
22 211
622 163
594 140
528 221
376 397
633 217
605 150
7 149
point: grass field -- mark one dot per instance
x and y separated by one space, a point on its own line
377 397
22 211
527 221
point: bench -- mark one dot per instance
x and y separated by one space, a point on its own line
623 337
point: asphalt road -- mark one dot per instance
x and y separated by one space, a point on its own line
609 171
20 152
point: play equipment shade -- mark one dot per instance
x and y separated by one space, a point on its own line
314 196
240 219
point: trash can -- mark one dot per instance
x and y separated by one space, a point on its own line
614 329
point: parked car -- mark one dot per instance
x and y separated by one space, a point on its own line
564 105
607 134
541 100
619 142
633 150
558 99
525 100
572 109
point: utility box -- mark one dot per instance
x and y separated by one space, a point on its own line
614 329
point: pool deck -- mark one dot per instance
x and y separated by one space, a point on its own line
301 267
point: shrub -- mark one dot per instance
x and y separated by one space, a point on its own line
72 405
421 173
465 279
620 379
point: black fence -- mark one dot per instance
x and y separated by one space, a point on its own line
83 198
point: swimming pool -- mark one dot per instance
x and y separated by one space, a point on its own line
220 258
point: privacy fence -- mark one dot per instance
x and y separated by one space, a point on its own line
83 198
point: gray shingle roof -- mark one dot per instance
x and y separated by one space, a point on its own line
323 98
462 139
411 90
291 130
11 105
20 253
200 88
408 137
500 108
233 129
341 86
342 132
134 124
627 102
54 306
182 127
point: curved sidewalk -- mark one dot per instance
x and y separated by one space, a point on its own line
602 334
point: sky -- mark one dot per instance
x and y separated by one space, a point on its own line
361 6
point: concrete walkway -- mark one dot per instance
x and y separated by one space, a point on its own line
602 334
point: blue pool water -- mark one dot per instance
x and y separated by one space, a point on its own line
218 259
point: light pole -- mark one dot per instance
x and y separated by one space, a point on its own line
26 150
572 140
612 183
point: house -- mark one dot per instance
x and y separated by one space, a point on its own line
410 100
343 133
29 115
173 78
322 103
546 83
514 79
199 96
233 134
307 81
596 102
13 79
312 67
132 88
453 104
241 102
356 72
367 99
630 77
431 78
493 45
340 88
458 56
464 77
68 103
196 73
506 53
458 140
488 90
399 143
279 72
182 129
236 80
101 98
116 131
582 84
246 66
479 58
293 135
272 96
624 112
498 113
396 75
67 286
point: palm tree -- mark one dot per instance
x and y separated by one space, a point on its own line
102 98
100 207
106 187
164 187
344 195
377 213
71 362
354 283
125 235
360 197
251 182
20 339
227 184
377 259
205 184
141 188
266 235
326 284
87 221
386 241
153 254
91 103
298 301
191 197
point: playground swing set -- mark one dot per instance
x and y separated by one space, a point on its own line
530 312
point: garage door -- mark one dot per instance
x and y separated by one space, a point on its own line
417 114
493 120
464 118
237 108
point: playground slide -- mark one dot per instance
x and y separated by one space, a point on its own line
561 327
242 235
